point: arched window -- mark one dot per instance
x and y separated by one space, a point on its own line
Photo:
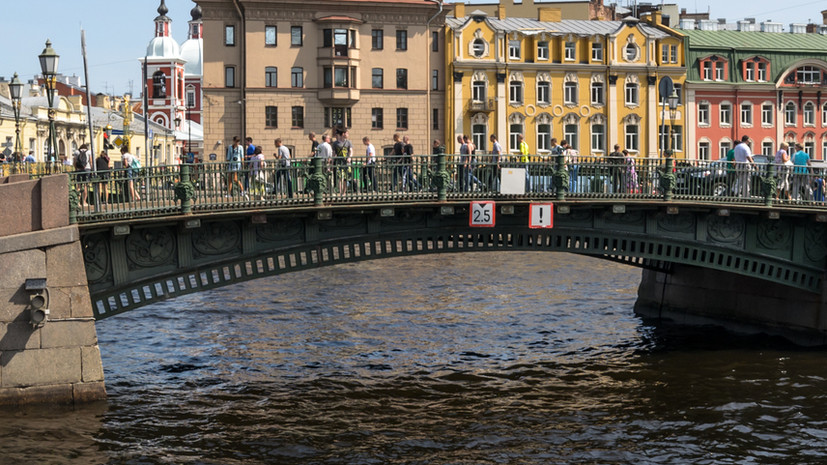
479 131
632 91
570 89
515 127
809 114
543 89
790 114
159 85
543 133
598 130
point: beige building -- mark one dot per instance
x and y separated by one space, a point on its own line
284 68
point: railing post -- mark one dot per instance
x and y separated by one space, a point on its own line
768 184
318 181
667 178
74 202
184 190
441 178
561 177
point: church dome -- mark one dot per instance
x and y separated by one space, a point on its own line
192 51
163 47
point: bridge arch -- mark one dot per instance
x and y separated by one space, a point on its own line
132 265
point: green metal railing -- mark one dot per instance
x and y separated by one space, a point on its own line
214 187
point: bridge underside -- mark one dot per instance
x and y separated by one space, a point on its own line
129 266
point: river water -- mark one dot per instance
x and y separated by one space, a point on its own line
474 358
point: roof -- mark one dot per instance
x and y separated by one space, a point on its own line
754 40
579 27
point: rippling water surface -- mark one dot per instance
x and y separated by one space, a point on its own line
490 358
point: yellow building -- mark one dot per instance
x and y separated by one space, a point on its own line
592 83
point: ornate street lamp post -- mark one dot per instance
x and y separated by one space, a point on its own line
16 89
177 127
673 101
48 66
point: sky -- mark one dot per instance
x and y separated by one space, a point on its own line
118 32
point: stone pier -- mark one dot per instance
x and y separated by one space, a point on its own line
57 360
694 296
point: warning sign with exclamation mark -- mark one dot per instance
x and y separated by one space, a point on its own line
541 215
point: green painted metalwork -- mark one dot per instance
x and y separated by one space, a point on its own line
561 177
185 190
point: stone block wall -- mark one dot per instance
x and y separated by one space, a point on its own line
60 361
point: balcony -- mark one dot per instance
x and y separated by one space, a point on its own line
338 96
482 105
337 54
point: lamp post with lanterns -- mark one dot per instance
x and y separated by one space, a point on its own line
672 101
16 90
48 66
177 127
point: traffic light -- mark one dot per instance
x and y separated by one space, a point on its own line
107 137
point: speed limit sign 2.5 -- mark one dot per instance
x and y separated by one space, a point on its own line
482 214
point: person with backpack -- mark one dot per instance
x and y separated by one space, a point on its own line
83 166
342 155
131 165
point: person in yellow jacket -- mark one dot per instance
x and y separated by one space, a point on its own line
523 146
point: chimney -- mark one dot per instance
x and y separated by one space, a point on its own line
769 26
824 16
798 28
500 11
707 25
459 10
745 25
551 15
822 29
687 24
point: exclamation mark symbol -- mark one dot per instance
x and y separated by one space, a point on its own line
541 215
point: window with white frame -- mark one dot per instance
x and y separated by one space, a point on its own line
632 137
543 92
703 114
514 49
762 71
597 51
766 148
515 128
723 147
570 93
746 114
478 91
570 132
598 131
703 150
809 114
706 71
515 91
749 72
719 71
544 134
790 114
664 56
671 133
824 115
597 93
767 112
632 93
479 135
808 75
542 50
725 114
630 52
569 51
478 47
824 149
810 147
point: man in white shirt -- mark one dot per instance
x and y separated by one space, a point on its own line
743 167
283 174
368 173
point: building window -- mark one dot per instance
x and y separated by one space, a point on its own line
435 41
337 117
190 97
478 132
631 52
569 51
597 51
726 114
515 92
514 129
270 35
570 134
632 138
478 91
401 78
376 118
767 149
719 71
159 85
544 92
435 118
377 39
271 117
749 71
340 76
632 97
435 79
570 93
723 148
790 114
598 138
270 75
703 114
808 75
296 35
677 138
401 39
298 117
296 77
229 76
762 71
746 114
767 112
703 151
706 70
809 114
542 50
229 36
514 49
824 115
478 48
401 118
377 78
597 93
327 77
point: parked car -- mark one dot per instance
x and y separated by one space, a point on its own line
715 178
